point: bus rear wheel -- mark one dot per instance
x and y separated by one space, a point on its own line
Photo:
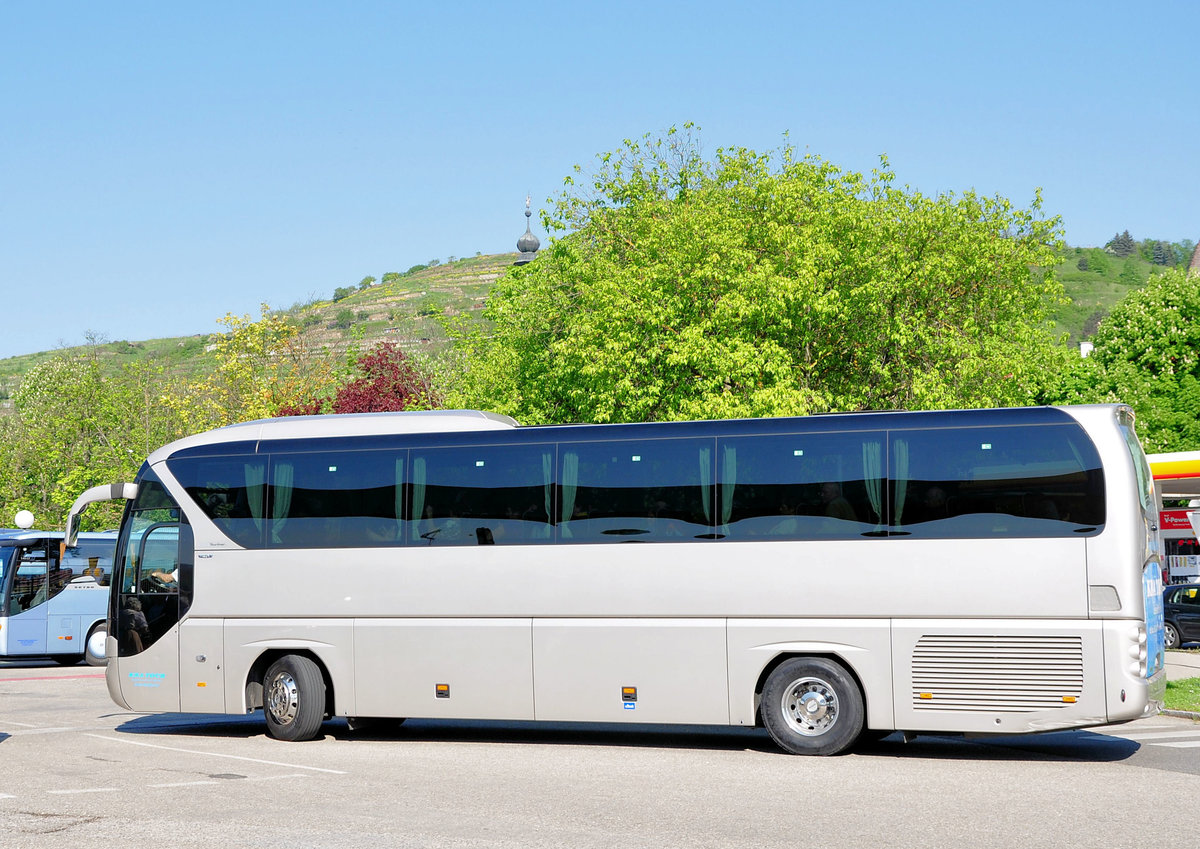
294 698
812 706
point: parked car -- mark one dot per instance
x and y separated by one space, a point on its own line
1181 609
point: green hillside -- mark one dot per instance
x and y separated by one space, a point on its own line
406 310
1093 292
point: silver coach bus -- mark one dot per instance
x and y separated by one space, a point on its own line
975 571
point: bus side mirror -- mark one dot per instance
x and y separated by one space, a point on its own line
71 535
105 492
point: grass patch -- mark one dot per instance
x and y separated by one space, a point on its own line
1183 695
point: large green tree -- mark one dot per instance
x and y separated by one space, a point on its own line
1147 354
764 284
76 423
74 426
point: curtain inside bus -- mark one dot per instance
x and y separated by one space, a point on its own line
801 486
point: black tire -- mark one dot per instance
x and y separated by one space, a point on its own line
98 634
1171 636
812 706
294 698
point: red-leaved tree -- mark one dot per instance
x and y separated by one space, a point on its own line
388 382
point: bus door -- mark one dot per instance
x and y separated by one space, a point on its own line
152 593
28 591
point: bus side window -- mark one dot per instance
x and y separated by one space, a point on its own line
29 587
801 486
91 559
481 495
642 490
1003 481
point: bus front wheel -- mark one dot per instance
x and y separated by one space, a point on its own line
812 706
294 698
94 646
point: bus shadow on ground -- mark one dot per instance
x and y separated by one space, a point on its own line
1077 745
650 736
1063 746
195 725
42 663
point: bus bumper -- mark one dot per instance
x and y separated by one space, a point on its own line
1128 694
112 677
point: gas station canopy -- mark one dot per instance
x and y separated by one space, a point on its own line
1176 475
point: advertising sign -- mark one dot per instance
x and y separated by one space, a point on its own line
1176 520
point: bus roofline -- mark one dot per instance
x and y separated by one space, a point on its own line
104 492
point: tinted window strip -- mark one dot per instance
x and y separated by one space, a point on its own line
863 503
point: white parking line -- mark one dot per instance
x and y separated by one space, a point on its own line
1190 744
32 730
182 784
1157 735
215 754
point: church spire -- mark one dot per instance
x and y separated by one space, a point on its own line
528 244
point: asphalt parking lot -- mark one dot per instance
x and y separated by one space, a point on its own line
80 772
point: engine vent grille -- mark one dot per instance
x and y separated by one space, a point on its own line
1014 674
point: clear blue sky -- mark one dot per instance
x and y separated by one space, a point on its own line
162 164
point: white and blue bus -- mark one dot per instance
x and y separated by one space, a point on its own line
974 571
55 598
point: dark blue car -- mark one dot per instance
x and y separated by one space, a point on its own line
1181 609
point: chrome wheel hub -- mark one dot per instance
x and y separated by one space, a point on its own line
810 706
283 699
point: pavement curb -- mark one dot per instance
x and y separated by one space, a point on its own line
1185 714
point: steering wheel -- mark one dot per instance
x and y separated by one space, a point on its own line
153 584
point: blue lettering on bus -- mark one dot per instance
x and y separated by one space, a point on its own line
147 679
